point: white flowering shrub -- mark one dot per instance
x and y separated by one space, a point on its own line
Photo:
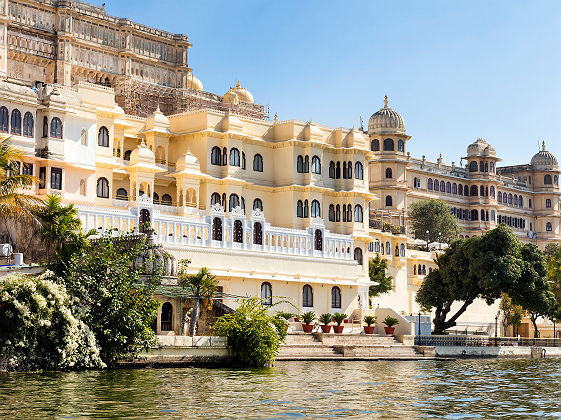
38 329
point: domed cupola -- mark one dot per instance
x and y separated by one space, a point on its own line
154 259
193 82
481 148
544 160
386 121
238 93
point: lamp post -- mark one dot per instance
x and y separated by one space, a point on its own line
440 241
427 240
496 326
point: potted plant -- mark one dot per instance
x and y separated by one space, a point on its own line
369 320
325 319
286 316
389 323
307 319
338 318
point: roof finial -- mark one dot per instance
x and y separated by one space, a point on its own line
386 101
158 107
238 84
543 145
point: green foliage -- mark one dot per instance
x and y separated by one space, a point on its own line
116 300
433 216
484 267
553 256
338 317
308 317
38 329
390 321
285 315
325 319
512 313
254 335
377 271
369 320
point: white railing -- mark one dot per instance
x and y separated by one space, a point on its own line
196 230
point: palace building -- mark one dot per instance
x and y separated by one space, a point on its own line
111 118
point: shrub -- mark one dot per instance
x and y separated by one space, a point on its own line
254 334
338 317
308 317
390 321
369 320
285 315
325 319
38 329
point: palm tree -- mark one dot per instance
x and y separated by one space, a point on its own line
13 202
203 287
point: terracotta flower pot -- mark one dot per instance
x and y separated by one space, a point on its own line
346 321
308 328
368 330
338 329
296 319
326 328
389 330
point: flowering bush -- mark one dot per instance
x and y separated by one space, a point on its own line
38 329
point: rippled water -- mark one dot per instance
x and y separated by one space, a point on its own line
407 389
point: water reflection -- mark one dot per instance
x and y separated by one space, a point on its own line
446 389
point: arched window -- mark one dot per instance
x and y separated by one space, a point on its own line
388 145
299 209
344 213
238 231
338 170
166 200
258 163
473 166
349 170
358 255
460 189
546 178
429 184
155 198
16 122
331 213
389 201
547 203
442 186
335 297
375 145
548 227
414 269
257 233
499 197
388 248
510 199
388 172
266 294
520 202
214 199
338 213
316 165
556 179
349 213
318 240
397 250
166 317
466 190
359 173
217 229
306 208
492 215
257 204
482 215
486 167
448 187
28 124
56 128
331 169
127 155
234 157
122 194
402 250
473 190
481 167
492 167
316 209
344 170
233 202
436 185
492 191
400 146
474 214
224 156
4 120
482 191
103 137
300 164
306 164
103 188
515 200
454 188
243 162
358 213
45 126
215 156
307 296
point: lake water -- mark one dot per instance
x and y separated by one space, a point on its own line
406 389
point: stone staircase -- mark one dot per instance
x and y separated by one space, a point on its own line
318 346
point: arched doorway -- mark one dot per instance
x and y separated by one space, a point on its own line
144 220
166 317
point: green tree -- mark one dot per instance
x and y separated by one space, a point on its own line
202 287
116 300
512 314
377 268
432 216
254 334
484 267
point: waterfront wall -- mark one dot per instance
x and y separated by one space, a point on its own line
490 351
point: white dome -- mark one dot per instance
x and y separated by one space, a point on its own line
142 156
386 121
242 93
544 160
193 82
231 98
157 121
188 162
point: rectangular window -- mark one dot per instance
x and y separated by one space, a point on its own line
56 178
42 177
28 168
530 203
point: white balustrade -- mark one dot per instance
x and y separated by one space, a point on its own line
197 231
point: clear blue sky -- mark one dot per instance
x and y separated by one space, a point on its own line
455 70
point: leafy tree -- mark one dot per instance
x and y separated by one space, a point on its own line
433 216
202 286
512 313
484 267
553 256
253 333
116 300
377 271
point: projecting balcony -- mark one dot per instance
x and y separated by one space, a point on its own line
388 221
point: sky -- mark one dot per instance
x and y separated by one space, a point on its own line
455 70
